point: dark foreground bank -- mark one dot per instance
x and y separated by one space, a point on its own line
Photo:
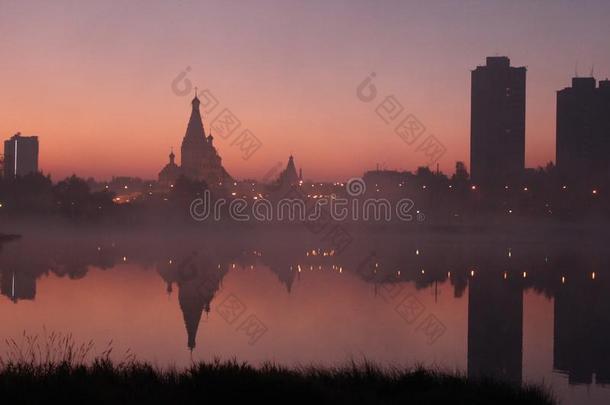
104 382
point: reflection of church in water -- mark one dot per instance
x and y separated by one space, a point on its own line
575 280
200 159
198 280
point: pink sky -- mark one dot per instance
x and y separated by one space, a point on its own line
93 80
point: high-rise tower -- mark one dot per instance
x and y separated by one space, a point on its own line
20 155
497 125
583 129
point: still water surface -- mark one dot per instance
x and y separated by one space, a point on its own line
522 309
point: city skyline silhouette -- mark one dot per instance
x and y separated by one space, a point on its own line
97 116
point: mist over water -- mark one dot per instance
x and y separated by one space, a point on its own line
525 304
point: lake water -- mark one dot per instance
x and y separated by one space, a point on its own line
526 307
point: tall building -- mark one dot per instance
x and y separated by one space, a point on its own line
20 155
200 160
497 124
583 128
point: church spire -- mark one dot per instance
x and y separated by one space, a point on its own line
195 129
172 157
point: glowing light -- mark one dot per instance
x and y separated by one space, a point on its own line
417 252
471 273
524 274
593 276
170 261
448 274
563 280
398 273
423 271
473 187
505 275
124 258
594 191
525 188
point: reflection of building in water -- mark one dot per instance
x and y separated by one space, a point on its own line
198 279
495 327
582 329
17 285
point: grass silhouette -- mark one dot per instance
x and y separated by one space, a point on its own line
57 370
